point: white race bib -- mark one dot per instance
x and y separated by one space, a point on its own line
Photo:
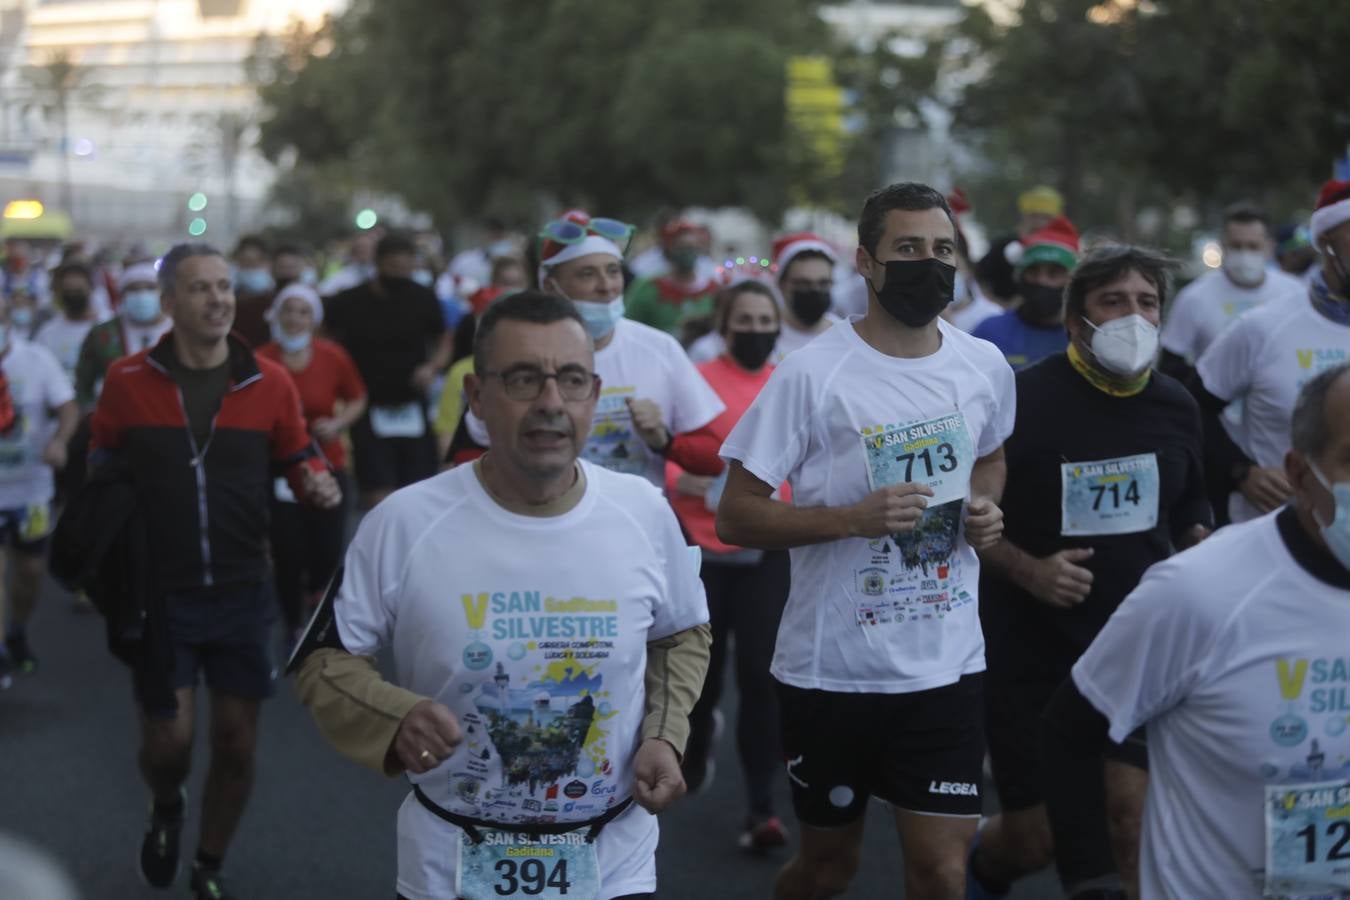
1109 496
1308 839
506 864
938 453
407 420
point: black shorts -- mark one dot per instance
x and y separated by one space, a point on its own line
1027 663
922 752
225 633
388 463
27 529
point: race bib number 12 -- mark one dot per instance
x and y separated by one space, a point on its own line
505 864
1308 838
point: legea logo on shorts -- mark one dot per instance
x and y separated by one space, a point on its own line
953 787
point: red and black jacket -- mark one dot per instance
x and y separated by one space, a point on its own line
206 508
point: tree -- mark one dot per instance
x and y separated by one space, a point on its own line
224 139
463 108
53 87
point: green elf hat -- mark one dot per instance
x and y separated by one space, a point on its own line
1056 244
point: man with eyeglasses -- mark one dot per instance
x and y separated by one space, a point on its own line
532 712
890 430
653 401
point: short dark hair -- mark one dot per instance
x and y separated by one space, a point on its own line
802 257
1310 426
251 240
72 268
906 195
726 298
1105 263
1244 214
534 307
168 266
393 244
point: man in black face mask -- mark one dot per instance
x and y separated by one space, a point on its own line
890 430
1035 328
393 328
72 285
806 278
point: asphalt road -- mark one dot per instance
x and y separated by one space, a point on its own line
317 826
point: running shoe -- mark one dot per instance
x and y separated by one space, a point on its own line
763 835
159 848
20 654
208 884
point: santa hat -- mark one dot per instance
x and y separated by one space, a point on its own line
553 253
790 246
140 273
1333 208
958 202
1056 244
298 290
678 228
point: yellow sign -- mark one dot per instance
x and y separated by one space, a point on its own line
23 209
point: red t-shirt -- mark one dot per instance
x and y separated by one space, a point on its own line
737 388
330 376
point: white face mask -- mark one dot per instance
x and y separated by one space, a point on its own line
1245 267
1125 346
1336 532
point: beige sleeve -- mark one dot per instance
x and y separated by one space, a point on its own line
676 666
356 710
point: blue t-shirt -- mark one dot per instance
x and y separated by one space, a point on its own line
1022 344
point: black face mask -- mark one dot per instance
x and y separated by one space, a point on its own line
810 306
916 290
75 303
751 349
1040 304
394 285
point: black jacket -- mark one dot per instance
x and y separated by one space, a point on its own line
100 547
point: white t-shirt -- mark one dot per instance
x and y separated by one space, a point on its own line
138 337
37 386
1208 305
712 345
1263 361
980 308
836 418
64 338
532 631
1237 659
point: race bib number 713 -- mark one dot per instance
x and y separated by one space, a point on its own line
937 453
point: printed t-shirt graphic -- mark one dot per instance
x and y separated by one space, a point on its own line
533 632
937 453
1235 656
879 615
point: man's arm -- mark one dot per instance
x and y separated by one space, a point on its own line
748 516
676 666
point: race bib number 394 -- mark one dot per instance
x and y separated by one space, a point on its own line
1308 838
551 867
1109 496
938 453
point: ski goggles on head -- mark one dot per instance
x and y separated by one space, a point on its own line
567 232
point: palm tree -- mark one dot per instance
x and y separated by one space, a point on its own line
54 85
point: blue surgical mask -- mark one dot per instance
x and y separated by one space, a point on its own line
1336 532
600 318
21 316
290 343
142 307
423 277
503 247
253 281
309 276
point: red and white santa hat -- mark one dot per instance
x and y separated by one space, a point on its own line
552 253
1333 208
789 246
